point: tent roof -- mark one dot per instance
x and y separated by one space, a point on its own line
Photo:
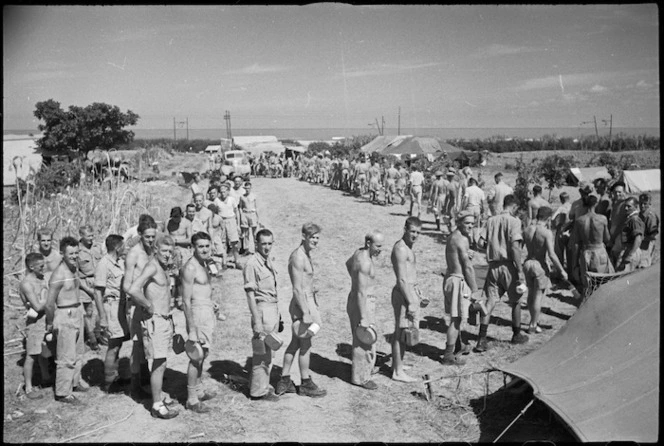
213 148
637 181
260 147
30 158
380 143
600 372
579 174
413 145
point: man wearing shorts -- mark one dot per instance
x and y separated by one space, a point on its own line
631 237
248 218
260 285
391 176
651 230
416 184
405 299
137 257
538 239
402 180
503 239
152 298
592 232
33 294
617 221
88 257
64 317
459 285
203 214
200 317
437 196
474 201
304 308
535 203
229 214
111 305
361 307
361 170
450 204
52 257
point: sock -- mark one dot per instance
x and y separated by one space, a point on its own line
449 350
192 395
516 330
483 330
199 389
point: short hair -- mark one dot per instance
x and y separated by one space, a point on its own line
33 257
599 181
145 221
616 184
214 208
44 231
224 186
632 201
200 235
213 187
537 189
263 233
510 200
413 222
85 228
590 200
247 183
67 241
191 205
472 181
164 240
113 241
371 236
498 175
544 212
645 198
199 194
564 196
310 229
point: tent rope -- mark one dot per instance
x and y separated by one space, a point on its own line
514 421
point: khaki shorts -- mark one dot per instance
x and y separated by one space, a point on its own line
157 336
205 320
401 307
296 312
230 230
500 279
595 260
457 296
35 330
248 219
117 318
536 275
416 193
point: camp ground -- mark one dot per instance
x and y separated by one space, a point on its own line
579 174
637 181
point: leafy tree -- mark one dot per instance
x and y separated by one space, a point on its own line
554 169
526 175
81 129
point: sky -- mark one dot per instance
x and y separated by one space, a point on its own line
332 65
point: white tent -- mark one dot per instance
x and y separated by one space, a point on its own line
637 181
259 144
213 148
19 158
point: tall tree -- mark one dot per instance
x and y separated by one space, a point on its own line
81 129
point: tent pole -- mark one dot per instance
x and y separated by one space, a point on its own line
514 421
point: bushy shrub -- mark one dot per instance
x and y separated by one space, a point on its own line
526 175
56 177
554 169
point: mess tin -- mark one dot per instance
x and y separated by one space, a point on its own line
303 330
273 341
367 335
194 350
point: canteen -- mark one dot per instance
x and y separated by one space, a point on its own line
303 330
194 350
258 345
273 341
367 335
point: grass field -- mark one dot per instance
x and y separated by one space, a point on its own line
468 405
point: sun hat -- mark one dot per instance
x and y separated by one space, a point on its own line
367 335
439 173
464 214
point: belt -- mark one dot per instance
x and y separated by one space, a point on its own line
111 297
498 262
228 218
69 306
595 246
249 212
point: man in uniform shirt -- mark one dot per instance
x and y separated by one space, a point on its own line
260 285
88 256
651 230
228 211
498 193
503 240
474 201
196 224
617 221
416 185
361 307
631 237
402 180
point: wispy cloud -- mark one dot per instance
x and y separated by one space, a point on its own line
385 69
598 89
498 49
259 69
643 84
579 79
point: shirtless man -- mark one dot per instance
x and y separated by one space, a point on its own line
538 239
361 169
52 257
64 317
535 203
137 257
402 180
459 285
361 307
592 232
33 291
199 314
304 308
202 212
248 218
405 299
391 176
152 300
437 196
416 185
228 211
180 229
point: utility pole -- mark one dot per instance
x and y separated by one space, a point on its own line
610 130
596 132
227 118
383 128
399 124
187 128
380 132
174 137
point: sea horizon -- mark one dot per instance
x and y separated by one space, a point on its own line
326 134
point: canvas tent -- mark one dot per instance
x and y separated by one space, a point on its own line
259 144
380 143
578 174
19 158
412 145
464 157
600 372
637 181
213 148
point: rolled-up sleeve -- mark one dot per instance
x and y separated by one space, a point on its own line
249 273
101 274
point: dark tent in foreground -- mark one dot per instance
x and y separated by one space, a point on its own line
600 372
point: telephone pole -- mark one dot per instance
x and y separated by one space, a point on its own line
174 135
399 124
596 132
187 128
383 127
227 118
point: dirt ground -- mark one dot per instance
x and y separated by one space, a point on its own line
468 403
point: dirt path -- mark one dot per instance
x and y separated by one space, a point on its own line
392 413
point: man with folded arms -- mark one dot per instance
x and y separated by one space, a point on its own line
361 307
260 284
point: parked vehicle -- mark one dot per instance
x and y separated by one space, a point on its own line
235 162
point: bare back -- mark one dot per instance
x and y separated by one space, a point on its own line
535 238
591 229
